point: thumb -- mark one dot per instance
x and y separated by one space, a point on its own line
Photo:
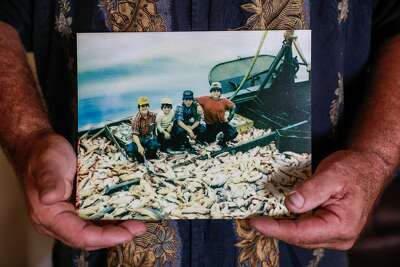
53 188
313 192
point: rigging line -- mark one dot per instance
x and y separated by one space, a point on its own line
251 66
300 52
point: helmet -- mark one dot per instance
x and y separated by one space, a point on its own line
187 94
216 85
143 100
166 100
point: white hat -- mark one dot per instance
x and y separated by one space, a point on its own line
216 85
166 100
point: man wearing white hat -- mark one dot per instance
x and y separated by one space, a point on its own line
214 107
165 121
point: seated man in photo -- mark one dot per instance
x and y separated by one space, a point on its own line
188 118
214 107
165 121
145 143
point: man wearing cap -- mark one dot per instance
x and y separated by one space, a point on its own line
214 114
165 121
188 118
144 132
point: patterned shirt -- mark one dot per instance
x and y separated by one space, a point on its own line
144 126
188 115
341 49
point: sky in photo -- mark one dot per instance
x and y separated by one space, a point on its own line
115 68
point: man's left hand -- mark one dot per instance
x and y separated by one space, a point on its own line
342 191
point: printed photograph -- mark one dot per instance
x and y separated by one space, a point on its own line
192 125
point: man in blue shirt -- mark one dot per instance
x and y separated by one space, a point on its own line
343 190
187 121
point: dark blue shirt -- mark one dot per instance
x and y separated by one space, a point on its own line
188 115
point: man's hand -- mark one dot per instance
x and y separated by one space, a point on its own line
141 150
48 181
342 192
191 134
347 184
167 135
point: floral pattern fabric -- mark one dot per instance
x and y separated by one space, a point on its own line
157 247
132 16
341 49
275 15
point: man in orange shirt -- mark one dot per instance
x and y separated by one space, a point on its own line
214 107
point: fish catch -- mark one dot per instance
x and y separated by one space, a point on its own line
230 185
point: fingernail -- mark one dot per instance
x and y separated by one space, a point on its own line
295 199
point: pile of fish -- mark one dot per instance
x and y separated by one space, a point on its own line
122 131
181 186
254 133
237 120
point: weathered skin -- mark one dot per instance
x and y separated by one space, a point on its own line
347 184
45 161
23 114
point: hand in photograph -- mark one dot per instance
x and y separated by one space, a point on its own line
167 135
141 150
342 192
191 134
48 181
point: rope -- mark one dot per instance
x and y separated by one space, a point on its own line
300 52
251 66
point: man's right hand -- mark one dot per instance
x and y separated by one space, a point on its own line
141 150
191 134
48 181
